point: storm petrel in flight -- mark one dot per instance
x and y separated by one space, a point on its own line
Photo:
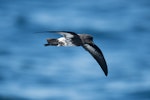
84 40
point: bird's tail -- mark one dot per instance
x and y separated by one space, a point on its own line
52 42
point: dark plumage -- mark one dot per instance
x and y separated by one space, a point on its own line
84 40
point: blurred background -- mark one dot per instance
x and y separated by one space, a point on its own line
30 71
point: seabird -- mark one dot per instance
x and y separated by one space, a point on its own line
84 40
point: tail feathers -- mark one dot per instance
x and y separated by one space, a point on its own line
52 42
46 44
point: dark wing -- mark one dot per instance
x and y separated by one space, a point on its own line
66 34
97 54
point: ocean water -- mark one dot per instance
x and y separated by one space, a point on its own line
30 71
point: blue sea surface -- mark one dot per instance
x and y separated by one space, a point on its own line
30 71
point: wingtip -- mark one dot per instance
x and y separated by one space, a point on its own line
44 32
106 74
105 70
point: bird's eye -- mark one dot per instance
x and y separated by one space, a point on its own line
91 38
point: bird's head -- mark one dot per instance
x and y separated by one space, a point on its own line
86 38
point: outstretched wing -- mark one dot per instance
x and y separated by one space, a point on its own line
66 34
71 37
97 54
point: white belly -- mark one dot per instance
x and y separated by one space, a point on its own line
64 42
